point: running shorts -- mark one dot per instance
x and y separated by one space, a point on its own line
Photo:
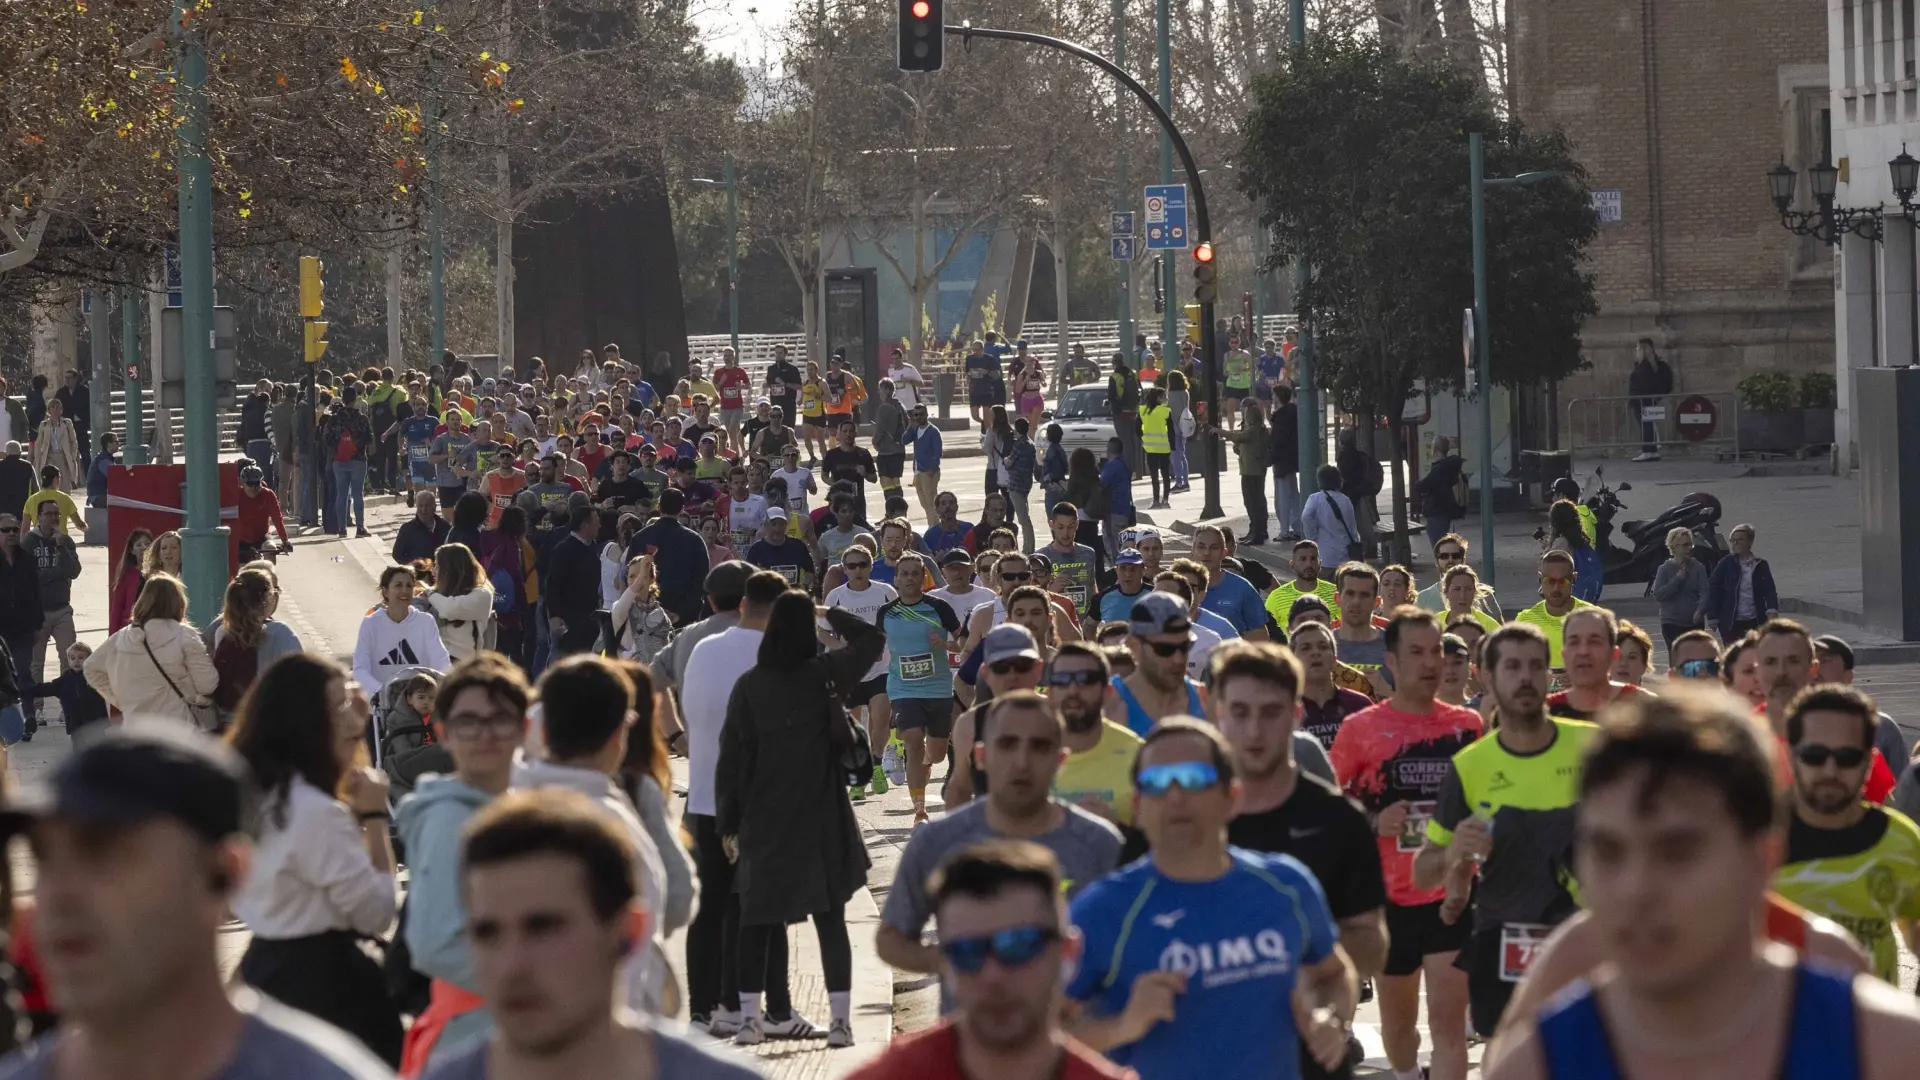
891 466
1416 932
932 715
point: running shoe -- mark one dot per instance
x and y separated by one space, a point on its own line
751 1033
920 818
724 1023
795 1026
858 793
840 1034
879 780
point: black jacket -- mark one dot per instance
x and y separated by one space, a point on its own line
1283 442
1436 488
680 565
20 610
253 419
417 541
16 483
778 784
1360 474
571 583
1650 379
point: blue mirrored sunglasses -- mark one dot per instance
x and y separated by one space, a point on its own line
1156 780
1016 946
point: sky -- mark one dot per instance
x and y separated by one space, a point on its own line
737 27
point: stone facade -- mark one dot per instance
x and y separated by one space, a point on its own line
1680 107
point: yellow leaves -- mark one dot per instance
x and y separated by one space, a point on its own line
516 105
245 212
245 195
417 16
280 79
486 55
379 89
348 70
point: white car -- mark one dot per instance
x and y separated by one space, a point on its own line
1084 418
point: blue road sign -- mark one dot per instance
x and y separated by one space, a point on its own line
1166 216
1120 223
1123 248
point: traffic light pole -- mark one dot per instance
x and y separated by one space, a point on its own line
1313 431
1123 195
135 451
1203 223
203 543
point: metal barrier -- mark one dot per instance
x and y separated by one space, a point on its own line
1629 423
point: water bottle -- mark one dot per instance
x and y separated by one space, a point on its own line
1484 813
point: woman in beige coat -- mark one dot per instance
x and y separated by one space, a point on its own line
59 446
156 668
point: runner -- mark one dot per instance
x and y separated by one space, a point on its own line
1205 638
1160 636
1196 578
1556 602
1394 758
1256 694
1010 661
846 462
1634 655
1324 704
960 592
1673 852
1833 662
1784 653
1694 655
1097 775
919 685
1022 732
1130 581
1450 552
1003 942
867 598
775 550
783 383
1363 645
1203 959
552 914
416 444
1587 645
1847 859
733 383
1516 786
1228 595
1073 563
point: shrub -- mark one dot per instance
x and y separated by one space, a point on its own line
1768 391
1817 390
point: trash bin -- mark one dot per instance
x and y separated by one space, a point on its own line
943 387
1543 467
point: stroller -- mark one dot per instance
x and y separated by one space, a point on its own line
403 741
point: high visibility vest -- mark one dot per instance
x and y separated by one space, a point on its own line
1153 429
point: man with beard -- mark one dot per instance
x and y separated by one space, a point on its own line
1306 581
1394 758
1847 859
1022 735
1160 637
1785 653
1324 704
1557 601
1097 775
1519 786
1588 639
1255 698
1004 942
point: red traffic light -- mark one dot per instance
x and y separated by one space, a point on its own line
921 9
1203 253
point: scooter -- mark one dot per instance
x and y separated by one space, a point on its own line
1698 512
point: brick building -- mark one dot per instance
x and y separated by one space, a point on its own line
1677 109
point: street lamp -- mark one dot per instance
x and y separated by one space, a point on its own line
1476 154
1829 223
733 244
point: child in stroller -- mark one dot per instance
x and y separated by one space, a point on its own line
408 751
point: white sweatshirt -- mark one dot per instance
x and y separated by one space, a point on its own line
385 646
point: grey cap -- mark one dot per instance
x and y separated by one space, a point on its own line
1158 613
1008 641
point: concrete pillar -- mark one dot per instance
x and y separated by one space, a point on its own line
1856 336
1896 295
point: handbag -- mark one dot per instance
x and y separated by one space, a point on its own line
1355 550
206 715
852 756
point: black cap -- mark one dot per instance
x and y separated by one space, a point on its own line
1837 645
955 557
130 775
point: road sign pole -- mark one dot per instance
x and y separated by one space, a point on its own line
1169 320
1123 195
203 543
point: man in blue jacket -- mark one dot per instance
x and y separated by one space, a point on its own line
680 561
1740 591
571 584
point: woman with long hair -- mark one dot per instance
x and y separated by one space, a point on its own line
163 556
996 439
469 517
155 668
641 626
1566 532
249 639
1083 489
461 602
1180 404
647 776
322 875
504 552
782 798
128 575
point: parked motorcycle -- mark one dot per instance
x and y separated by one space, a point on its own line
1698 511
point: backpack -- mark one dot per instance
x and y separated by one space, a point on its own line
238 667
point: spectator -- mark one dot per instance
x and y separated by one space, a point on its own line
511 568
1440 489
1650 381
16 477
15 424
680 558
56 564
128 576
98 472
423 533
1740 591
347 438
469 518
156 668
81 706
50 492
323 870
572 584
1116 483
461 602
397 634
248 639
1327 519
1360 479
1680 585
57 443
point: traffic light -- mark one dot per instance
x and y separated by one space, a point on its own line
1206 276
312 301
316 340
922 34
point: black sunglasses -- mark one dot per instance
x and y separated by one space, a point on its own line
1170 648
1021 664
857 565
1020 576
1816 755
9 528
1089 677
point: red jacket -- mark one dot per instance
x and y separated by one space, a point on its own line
250 523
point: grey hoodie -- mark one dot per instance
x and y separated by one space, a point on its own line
430 822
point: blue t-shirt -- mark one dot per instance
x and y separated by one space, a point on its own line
1117 479
1272 368
1237 601
940 540
416 435
1241 939
790 557
915 669
1116 605
1215 623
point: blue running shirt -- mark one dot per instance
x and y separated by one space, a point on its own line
1241 939
915 668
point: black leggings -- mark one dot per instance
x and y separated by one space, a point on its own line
1160 470
836 952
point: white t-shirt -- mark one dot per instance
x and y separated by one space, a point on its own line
797 479
1204 642
866 603
744 518
717 664
906 384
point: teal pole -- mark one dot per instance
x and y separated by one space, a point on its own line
1170 319
203 543
733 259
1477 171
1313 430
135 452
1123 196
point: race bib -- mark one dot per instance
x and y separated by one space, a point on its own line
791 573
916 668
1413 833
1078 594
1519 944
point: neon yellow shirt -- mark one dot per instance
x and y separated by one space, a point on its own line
703 386
1551 625
1104 773
68 511
1239 367
1280 600
1863 877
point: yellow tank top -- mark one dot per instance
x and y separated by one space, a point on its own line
812 399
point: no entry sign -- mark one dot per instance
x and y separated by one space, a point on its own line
1696 417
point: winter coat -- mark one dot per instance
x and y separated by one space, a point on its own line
59 445
131 681
466 621
779 787
20 610
1723 594
430 822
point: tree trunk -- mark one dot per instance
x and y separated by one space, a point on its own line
503 263
1059 245
56 334
396 274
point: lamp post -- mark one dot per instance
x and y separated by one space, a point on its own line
733 246
203 543
1827 223
1313 431
1169 319
1123 197
1479 182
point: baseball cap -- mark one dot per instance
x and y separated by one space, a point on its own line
729 578
1158 613
955 557
1008 641
1453 645
775 513
126 776
1129 557
1040 560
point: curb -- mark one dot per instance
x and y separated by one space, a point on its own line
1896 652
